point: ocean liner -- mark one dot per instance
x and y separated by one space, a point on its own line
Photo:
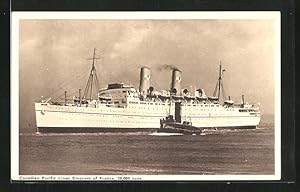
119 107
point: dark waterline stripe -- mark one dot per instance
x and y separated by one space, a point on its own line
91 130
116 129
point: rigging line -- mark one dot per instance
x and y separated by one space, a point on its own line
215 91
63 93
72 93
70 79
78 77
64 85
223 92
91 86
61 86
97 82
87 87
58 97
56 90
68 82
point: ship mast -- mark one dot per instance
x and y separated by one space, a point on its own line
92 79
219 84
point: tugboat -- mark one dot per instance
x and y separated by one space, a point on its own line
171 125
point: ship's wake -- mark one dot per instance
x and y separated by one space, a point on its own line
165 134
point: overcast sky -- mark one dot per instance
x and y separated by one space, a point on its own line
53 54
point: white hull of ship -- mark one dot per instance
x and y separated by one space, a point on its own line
57 118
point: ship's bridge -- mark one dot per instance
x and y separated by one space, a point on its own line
118 94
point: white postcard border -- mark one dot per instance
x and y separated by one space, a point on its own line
255 15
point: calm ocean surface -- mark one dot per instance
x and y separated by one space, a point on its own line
213 152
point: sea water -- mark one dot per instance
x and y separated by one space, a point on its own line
214 152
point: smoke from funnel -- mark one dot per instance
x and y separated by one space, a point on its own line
167 67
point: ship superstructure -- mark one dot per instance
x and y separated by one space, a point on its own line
119 107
